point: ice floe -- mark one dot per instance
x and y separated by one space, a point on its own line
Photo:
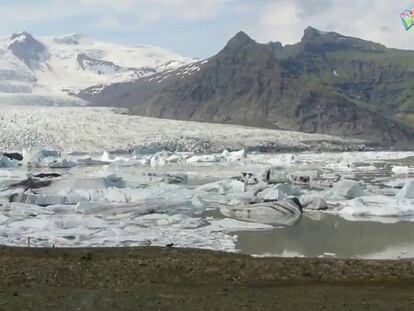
7 162
345 190
166 198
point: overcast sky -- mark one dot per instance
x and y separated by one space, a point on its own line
200 28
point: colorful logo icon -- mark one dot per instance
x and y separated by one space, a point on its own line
407 18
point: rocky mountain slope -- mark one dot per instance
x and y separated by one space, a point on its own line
60 66
326 83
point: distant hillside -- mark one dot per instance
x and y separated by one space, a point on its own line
326 83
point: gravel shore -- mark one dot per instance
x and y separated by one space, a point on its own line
183 279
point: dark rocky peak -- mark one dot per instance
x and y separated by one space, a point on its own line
29 50
22 36
243 49
312 33
241 39
314 40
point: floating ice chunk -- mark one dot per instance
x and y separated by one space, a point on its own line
34 157
406 194
377 206
158 197
6 162
164 157
279 192
383 206
398 183
345 190
33 199
304 177
343 166
57 163
225 156
46 158
314 203
205 158
402 170
275 175
89 208
223 187
175 179
324 181
367 168
69 185
179 221
153 178
106 157
285 212
234 156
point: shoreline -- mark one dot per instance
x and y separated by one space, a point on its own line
248 268
152 278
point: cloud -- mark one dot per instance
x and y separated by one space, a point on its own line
378 20
111 13
206 24
155 10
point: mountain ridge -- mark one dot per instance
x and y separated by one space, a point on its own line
326 83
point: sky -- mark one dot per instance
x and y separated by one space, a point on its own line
200 28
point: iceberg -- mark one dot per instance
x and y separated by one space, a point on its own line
225 156
284 212
34 157
402 170
223 187
163 158
344 190
6 162
275 175
315 203
303 177
402 205
279 192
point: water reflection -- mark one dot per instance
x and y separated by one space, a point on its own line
331 234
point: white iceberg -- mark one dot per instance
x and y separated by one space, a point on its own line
280 192
303 177
223 187
316 203
34 157
225 156
163 158
344 190
399 206
6 162
402 170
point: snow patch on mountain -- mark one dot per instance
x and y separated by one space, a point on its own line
67 64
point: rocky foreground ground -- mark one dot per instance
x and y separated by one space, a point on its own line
171 279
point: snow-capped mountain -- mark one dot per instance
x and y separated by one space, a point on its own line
64 65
